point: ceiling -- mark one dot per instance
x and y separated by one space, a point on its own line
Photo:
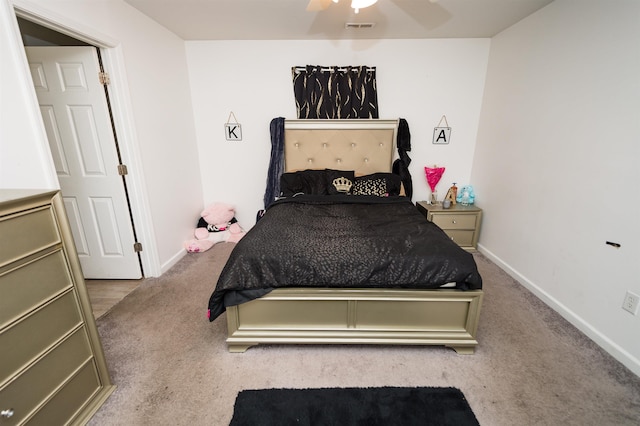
289 20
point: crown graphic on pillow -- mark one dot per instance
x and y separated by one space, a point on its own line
342 184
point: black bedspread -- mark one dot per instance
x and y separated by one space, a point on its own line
342 241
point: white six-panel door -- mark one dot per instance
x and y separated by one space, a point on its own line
78 125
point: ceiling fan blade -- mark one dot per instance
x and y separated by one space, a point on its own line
317 5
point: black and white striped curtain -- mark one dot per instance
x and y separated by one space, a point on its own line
335 92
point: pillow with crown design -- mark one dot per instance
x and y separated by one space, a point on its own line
339 181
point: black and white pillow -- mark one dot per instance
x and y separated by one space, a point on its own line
370 187
393 183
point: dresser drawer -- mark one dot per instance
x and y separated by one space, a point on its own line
463 238
30 285
33 386
27 233
455 221
26 340
64 405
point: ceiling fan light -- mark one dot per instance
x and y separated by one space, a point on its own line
361 4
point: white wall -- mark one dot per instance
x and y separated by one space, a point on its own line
25 160
419 80
556 163
160 135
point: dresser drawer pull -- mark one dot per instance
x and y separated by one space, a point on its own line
453 221
6 414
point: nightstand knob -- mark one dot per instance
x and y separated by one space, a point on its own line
7 414
453 221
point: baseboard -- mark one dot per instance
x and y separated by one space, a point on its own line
619 353
172 261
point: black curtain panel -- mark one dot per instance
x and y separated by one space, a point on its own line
276 163
335 92
401 165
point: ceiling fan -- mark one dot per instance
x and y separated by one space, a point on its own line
318 5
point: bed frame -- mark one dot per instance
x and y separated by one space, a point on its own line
446 317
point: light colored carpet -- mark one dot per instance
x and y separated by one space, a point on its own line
532 367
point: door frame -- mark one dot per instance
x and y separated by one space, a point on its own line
122 110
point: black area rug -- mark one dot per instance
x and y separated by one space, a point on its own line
353 406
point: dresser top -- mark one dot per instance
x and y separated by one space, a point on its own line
20 194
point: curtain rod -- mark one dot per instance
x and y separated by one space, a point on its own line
331 69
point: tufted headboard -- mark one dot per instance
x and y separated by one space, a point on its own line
365 146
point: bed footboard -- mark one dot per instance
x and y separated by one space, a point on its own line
357 316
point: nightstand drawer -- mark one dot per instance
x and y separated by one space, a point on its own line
460 223
27 234
461 237
455 221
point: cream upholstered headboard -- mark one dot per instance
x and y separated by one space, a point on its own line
365 146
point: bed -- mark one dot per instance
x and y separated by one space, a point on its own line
346 264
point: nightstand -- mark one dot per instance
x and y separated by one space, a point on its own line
461 223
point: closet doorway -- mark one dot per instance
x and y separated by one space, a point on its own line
73 95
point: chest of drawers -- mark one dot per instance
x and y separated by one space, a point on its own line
461 223
52 366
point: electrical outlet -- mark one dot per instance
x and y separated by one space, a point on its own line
630 303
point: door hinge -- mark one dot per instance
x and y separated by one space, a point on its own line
137 247
122 170
103 76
